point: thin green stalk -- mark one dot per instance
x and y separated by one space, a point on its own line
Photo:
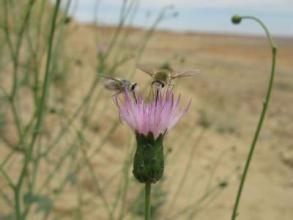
125 185
118 29
6 29
61 160
195 206
128 18
92 173
18 47
78 110
38 51
187 168
97 183
58 164
102 143
150 32
40 112
14 58
6 159
237 20
79 212
6 198
147 204
6 178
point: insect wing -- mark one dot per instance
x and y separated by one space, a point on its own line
111 83
146 69
184 74
105 77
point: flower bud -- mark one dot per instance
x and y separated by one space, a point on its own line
148 165
236 19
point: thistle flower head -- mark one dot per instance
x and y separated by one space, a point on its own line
155 117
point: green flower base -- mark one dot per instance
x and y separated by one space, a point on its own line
148 166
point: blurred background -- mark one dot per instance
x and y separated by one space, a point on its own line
208 16
64 152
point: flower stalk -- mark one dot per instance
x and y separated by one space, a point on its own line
147 204
236 20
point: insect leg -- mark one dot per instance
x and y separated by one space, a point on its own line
134 96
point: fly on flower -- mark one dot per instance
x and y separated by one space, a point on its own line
150 122
165 75
119 85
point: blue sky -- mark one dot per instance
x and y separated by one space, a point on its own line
208 15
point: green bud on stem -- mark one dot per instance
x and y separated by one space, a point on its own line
148 166
236 19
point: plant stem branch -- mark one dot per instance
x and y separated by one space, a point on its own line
40 113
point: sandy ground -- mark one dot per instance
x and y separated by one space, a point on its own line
228 93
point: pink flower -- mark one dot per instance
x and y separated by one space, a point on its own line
156 116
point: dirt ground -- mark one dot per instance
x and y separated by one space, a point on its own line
204 163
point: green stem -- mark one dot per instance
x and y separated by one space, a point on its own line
147 204
18 47
262 115
40 112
